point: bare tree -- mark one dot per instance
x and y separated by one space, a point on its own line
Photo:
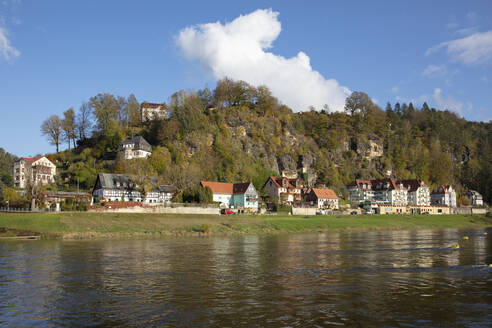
32 186
83 121
52 129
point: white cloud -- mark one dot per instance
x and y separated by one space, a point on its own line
466 31
394 89
434 70
448 102
237 50
473 49
8 52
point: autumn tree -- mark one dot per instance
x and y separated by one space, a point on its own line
143 174
68 126
52 129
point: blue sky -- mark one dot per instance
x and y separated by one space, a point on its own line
57 54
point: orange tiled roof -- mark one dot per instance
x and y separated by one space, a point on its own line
324 193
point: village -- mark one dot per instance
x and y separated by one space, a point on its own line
123 192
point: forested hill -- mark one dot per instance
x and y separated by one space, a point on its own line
239 133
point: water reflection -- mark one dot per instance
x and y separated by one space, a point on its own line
399 278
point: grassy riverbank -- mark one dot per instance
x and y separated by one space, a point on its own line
113 225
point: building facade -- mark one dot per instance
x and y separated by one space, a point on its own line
37 169
444 196
324 198
122 188
475 198
234 195
284 190
418 192
379 191
152 111
135 147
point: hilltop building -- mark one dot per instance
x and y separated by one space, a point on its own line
135 147
235 195
37 169
122 187
152 111
444 195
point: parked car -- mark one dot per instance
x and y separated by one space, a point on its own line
353 213
321 212
226 211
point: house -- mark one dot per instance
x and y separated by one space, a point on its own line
37 169
135 147
122 187
378 191
284 190
235 195
323 197
418 192
475 198
444 195
152 111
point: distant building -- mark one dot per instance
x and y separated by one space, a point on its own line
152 111
135 147
418 192
235 195
37 169
475 198
378 191
444 195
323 197
284 190
122 187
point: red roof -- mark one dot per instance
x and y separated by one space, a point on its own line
291 183
32 159
225 187
413 184
150 105
373 184
325 193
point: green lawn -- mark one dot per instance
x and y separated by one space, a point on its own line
110 225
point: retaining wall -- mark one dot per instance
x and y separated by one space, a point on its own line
304 210
161 209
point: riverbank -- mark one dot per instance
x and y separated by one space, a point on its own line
83 225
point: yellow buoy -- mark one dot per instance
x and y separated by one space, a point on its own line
465 238
485 234
456 246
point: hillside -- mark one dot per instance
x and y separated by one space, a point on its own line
237 133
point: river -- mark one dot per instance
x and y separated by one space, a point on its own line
352 279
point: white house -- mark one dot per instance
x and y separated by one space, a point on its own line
135 147
418 192
152 111
444 195
37 169
475 198
121 187
236 195
323 197
378 191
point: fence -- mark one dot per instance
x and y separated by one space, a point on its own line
22 210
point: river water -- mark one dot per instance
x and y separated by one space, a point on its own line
353 279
